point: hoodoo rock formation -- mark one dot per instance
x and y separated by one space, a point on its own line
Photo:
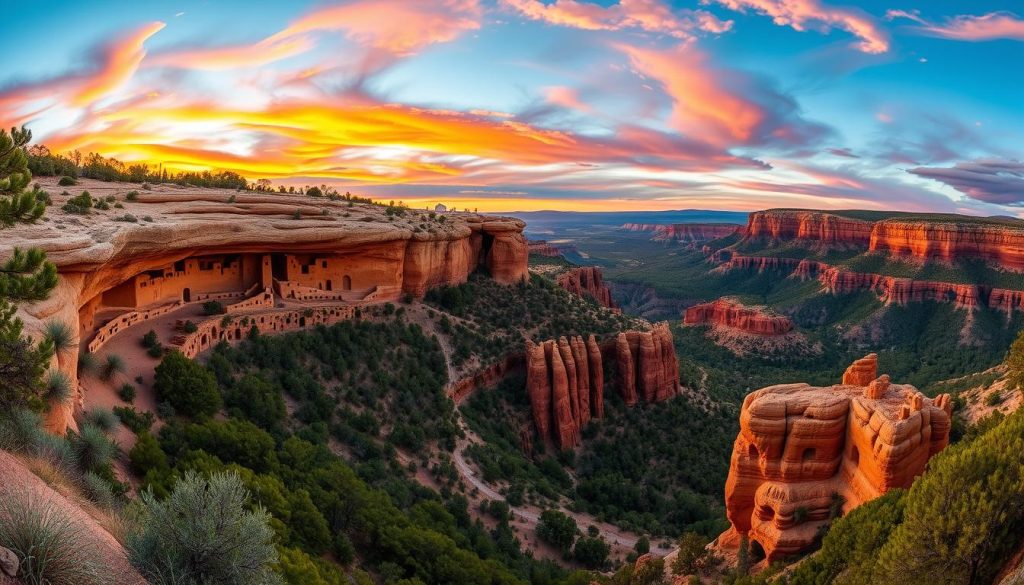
237 248
945 239
733 314
565 378
687 233
587 281
800 447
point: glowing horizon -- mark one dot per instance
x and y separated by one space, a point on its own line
524 105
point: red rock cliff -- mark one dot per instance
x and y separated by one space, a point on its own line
565 378
811 226
732 314
950 241
800 444
587 281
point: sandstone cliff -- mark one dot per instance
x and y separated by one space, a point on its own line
733 314
799 446
587 281
688 233
945 238
99 260
545 248
565 378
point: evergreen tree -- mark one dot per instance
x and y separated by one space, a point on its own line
25 276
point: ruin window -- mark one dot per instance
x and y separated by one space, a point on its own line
346 282
809 454
323 264
330 285
305 269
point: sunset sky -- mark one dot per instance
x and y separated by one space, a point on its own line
539 104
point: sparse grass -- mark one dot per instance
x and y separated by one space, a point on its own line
58 386
114 364
103 418
60 335
52 548
87 363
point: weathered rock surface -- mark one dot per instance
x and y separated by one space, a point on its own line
545 248
687 233
733 314
587 281
565 378
943 239
95 255
799 446
862 371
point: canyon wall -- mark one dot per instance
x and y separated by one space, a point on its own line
565 378
106 265
689 233
799 447
733 314
945 238
587 281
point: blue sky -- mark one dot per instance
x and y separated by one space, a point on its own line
544 104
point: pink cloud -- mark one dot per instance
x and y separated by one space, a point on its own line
804 14
566 97
720 106
987 27
116 63
646 15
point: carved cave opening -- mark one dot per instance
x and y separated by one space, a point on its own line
757 553
809 454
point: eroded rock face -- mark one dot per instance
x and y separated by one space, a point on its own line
565 378
587 281
732 314
800 446
810 226
862 371
214 244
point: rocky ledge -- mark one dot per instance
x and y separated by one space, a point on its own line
730 313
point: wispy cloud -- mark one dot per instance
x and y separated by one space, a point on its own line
998 181
985 27
644 15
802 15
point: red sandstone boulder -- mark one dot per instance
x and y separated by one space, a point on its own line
862 372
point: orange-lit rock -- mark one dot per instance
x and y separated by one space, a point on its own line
733 314
565 378
862 371
214 244
800 445
587 281
782 225
949 241
542 248
758 263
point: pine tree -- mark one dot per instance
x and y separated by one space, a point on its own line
25 276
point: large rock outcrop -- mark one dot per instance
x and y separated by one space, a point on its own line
800 447
565 378
587 281
943 238
197 244
733 314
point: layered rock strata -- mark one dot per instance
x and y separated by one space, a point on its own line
587 281
800 447
889 289
945 239
734 315
565 378
218 244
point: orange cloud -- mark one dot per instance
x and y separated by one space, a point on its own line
804 14
400 27
646 15
117 64
702 107
987 27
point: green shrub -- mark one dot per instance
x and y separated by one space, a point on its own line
132 196
591 552
87 363
105 419
126 392
204 533
93 449
51 548
213 308
58 386
146 454
186 386
133 419
114 364
60 335
189 327
155 351
67 182
557 529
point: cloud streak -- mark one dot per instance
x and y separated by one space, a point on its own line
998 181
802 15
651 16
985 27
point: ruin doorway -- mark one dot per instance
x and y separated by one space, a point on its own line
330 285
346 282
186 295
